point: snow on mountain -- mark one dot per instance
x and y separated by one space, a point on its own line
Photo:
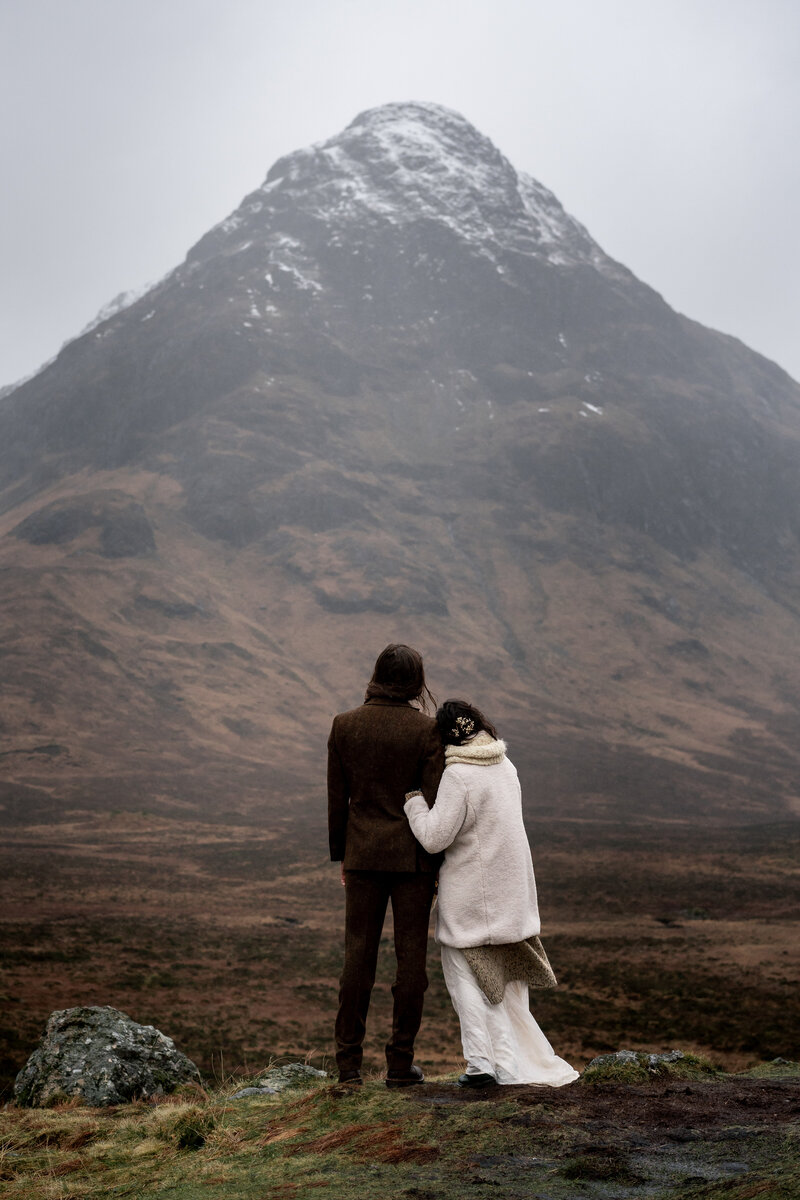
411 162
119 303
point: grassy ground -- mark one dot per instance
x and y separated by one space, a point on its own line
675 1137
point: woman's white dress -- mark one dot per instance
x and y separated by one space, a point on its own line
501 1039
487 896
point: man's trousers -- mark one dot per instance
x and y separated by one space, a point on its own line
367 896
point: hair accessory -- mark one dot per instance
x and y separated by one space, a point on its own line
464 727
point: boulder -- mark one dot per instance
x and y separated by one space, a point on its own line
104 1057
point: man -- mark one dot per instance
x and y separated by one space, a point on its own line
377 753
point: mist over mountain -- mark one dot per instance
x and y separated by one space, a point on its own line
400 394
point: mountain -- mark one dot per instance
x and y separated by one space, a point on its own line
400 394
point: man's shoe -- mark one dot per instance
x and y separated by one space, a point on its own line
404 1078
481 1079
351 1077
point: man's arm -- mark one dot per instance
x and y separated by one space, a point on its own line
338 800
432 766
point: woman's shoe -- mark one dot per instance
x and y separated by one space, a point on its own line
483 1079
351 1077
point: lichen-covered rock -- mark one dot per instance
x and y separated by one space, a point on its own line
640 1057
634 1066
292 1075
104 1057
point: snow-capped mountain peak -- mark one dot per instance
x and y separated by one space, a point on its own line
407 162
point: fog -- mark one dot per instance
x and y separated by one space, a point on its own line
668 128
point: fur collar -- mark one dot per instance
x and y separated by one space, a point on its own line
480 751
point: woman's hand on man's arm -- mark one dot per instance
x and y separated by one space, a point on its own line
435 828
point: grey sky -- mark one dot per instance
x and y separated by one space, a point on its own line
670 128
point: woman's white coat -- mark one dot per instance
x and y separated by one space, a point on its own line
487 891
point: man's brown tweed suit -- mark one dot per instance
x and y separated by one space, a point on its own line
377 753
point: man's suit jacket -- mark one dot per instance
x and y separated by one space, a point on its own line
377 753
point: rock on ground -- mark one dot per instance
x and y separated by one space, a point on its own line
244 1092
104 1057
628 1066
637 1058
292 1075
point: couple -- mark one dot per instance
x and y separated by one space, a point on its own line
402 789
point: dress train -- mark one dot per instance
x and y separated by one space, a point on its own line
502 1039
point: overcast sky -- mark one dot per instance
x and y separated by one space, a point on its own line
670 128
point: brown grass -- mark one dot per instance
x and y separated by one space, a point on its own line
370 1142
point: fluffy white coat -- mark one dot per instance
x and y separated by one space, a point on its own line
487 892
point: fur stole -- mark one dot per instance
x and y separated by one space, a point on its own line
480 751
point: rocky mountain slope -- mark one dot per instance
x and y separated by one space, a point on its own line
400 394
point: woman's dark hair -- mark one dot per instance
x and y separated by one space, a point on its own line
399 675
459 721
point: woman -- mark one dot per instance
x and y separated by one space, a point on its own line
487 919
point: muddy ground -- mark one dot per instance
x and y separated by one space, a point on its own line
727 1137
